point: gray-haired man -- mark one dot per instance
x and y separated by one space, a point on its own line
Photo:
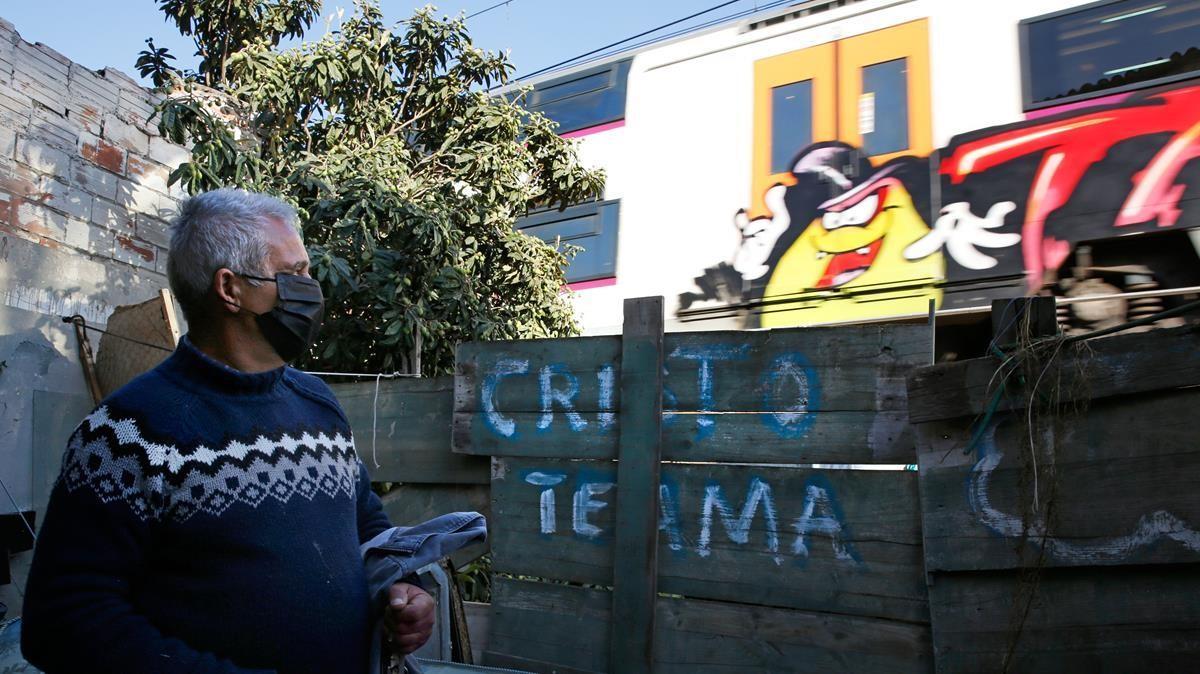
209 514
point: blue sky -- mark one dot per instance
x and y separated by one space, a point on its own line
99 33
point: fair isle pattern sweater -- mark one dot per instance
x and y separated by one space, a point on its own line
206 520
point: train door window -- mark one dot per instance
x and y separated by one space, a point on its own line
1107 48
791 122
884 98
884 90
795 104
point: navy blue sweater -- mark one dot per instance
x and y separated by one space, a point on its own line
206 520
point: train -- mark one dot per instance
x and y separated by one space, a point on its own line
851 161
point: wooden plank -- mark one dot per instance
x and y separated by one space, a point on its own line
808 369
479 616
409 504
408 433
826 437
1131 619
635 564
1119 486
86 359
1112 366
832 395
728 532
543 627
460 633
508 374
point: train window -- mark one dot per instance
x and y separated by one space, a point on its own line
884 102
1107 48
592 226
795 104
791 122
883 107
585 99
572 87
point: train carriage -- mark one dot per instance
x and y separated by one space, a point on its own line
862 160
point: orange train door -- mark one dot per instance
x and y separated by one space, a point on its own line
872 92
883 99
795 104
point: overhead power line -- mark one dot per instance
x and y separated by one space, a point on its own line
661 38
628 39
488 9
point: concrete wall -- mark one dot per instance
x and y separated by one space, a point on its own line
84 206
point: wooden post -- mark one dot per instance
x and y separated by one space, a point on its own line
635 563
170 318
86 358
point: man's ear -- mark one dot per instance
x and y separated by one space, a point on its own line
229 292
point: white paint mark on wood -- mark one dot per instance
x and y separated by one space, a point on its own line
564 397
738 528
546 505
668 520
608 378
505 367
820 517
586 505
1149 529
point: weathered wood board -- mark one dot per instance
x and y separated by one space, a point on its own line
544 627
1083 554
1113 366
1121 489
639 467
705 371
408 433
838 541
834 395
409 504
1097 620
749 437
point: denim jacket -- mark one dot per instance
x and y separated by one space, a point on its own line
400 551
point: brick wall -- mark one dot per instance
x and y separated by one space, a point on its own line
83 210
81 168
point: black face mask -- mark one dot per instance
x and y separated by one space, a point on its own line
291 327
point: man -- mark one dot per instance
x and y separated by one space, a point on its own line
209 514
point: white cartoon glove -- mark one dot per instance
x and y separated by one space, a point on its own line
760 234
961 232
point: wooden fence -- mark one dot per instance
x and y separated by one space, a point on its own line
401 431
667 503
735 553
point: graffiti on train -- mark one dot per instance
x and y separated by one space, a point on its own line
1006 203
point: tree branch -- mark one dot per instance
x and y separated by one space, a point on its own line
225 45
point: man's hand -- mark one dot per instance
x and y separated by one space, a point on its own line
409 618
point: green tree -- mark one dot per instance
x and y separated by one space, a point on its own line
408 175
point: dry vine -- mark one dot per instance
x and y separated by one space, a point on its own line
1045 383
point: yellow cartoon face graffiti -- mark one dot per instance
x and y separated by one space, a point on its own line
849 264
